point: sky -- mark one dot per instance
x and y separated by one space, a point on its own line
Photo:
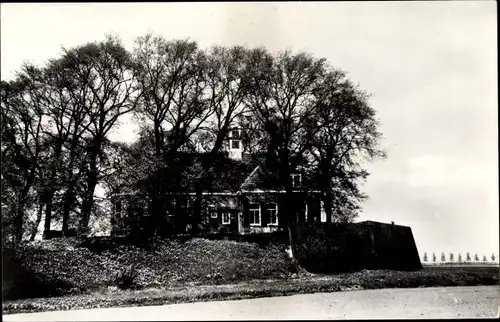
431 68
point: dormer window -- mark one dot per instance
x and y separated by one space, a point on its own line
296 180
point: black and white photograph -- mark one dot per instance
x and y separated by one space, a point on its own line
209 161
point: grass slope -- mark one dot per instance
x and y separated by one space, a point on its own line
79 266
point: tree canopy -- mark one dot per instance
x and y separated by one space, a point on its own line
296 110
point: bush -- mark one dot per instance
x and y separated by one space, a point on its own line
127 279
19 281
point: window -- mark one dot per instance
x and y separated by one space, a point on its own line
212 211
302 212
226 218
254 213
296 180
235 134
235 144
272 213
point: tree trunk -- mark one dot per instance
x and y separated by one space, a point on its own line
71 183
87 204
158 138
50 190
289 222
328 207
37 223
196 219
68 203
48 216
19 220
88 198
92 178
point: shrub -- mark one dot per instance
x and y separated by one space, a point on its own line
127 278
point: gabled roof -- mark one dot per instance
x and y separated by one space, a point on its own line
226 175
260 178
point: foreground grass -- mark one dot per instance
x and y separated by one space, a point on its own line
111 297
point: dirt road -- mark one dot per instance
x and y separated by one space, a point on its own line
448 302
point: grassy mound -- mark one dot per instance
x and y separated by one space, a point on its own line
78 266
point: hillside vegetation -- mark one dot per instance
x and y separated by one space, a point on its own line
63 266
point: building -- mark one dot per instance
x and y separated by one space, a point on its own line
242 197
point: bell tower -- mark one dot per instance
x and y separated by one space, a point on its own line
235 144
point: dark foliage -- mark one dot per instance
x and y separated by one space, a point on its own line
20 282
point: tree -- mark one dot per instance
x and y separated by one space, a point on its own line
493 258
434 257
227 75
67 102
476 257
171 77
468 258
425 257
451 257
443 257
22 133
297 103
459 257
103 72
65 116
280 98
346 134
485 259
